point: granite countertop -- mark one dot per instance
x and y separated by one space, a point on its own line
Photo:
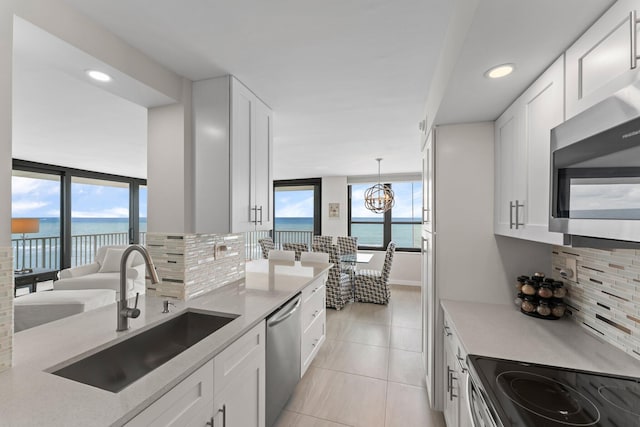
501 331
30 395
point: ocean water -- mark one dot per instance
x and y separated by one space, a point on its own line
405 235
50 227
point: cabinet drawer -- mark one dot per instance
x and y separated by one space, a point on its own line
227 363
312 339
313 288
188 403
313 308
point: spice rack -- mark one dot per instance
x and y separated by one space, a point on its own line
541 297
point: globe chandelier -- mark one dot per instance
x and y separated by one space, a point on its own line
379 198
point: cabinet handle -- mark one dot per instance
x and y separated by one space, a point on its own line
315 313
447 331
510 214
460 360
518 205
451 379
224 415
633 22
210 422
260 209
254 209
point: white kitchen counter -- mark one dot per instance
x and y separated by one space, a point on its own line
501 331
29 395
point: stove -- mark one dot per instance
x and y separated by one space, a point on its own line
506 393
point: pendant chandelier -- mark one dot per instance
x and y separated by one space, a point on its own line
379 198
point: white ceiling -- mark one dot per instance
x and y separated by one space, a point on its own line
347 80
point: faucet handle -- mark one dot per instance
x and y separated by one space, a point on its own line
135 311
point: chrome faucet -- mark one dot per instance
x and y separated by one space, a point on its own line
124 312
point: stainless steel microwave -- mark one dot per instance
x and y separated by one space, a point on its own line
595 174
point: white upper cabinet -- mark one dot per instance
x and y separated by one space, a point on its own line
522 159
233 132
603 59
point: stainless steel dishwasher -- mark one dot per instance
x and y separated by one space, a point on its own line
283 357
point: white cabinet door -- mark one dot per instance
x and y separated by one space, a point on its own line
508 169
602 60
541 111
261 159
451 406
239 382
242 178
522 159
190 403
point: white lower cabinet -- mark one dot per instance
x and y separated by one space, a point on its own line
239 382
313 322
456 411
228 391
190 403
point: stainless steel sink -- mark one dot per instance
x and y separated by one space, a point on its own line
117 366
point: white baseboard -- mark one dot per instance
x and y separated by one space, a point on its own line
405 283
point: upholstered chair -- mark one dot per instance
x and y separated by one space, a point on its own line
298 248
266 244
347 245
372 285
276 255
339 287
322 240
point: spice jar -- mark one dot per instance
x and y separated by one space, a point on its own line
528 304
529 287
543 308
559 291
520 281
538 277
519 299
545 290
558 309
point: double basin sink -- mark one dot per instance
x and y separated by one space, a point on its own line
115 367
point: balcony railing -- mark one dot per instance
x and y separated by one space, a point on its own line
44 252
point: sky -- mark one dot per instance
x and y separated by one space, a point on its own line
299 204
40 198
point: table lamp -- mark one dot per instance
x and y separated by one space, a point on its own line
24 226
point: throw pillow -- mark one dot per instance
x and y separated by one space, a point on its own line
111 263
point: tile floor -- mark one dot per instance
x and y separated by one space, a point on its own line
368 372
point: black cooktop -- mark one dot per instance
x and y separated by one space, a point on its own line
526 394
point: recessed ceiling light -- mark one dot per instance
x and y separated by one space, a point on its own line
499 71
98 75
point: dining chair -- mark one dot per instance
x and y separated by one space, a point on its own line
373 285
314 257
339 287
266 244
277 255
323 240
298 248
347 244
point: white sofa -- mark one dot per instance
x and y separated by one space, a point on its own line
104 273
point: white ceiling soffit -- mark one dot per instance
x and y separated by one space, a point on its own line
61 118
347 79
531 34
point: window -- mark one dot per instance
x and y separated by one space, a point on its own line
297 206
401 224
79 211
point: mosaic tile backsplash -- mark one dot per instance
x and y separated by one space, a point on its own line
6 307
604 295
189 265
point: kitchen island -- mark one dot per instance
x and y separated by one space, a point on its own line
30 395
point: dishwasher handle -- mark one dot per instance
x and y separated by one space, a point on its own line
284 316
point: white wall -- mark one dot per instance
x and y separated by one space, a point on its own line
472 263
406 265
334 190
